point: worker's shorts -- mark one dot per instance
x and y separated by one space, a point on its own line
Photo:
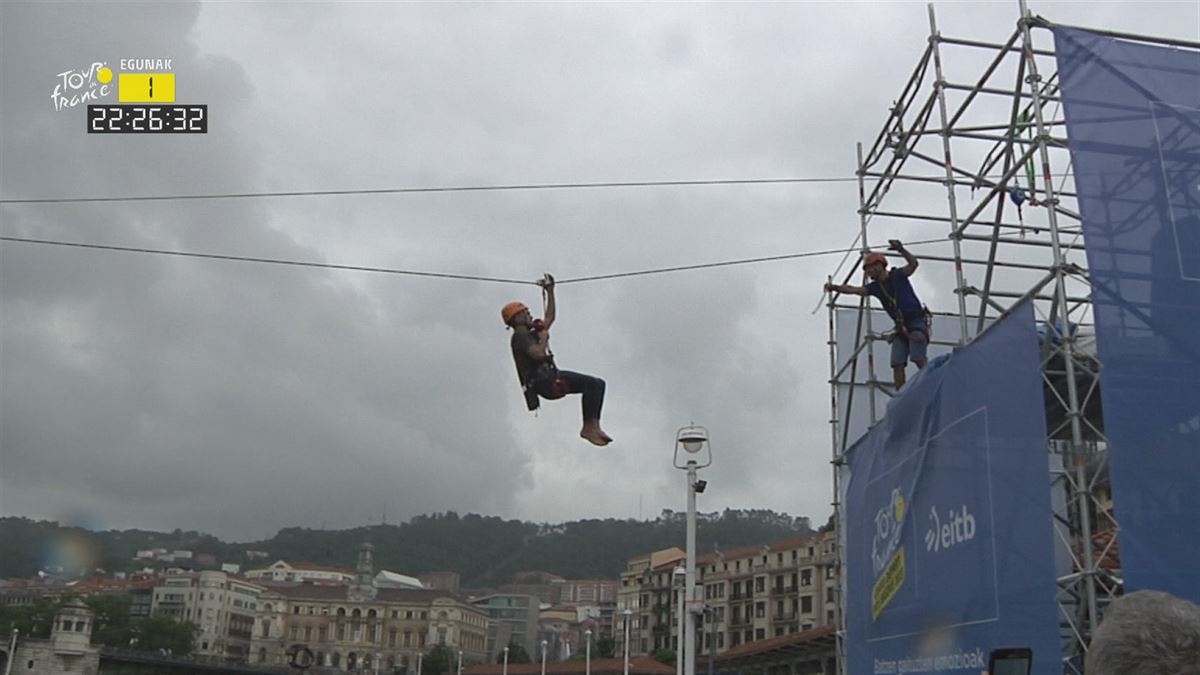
912 348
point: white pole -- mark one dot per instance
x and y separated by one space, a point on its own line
588 659
505 671
682 608
12 653
543 658
420 656
687 645
626 670
460 662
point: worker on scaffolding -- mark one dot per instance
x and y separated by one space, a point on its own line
537 372
892 288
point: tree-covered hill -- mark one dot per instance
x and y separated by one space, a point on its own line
484 550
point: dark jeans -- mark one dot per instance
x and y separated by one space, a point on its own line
592 389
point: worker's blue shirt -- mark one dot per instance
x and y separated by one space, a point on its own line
897 296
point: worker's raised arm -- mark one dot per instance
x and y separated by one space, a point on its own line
547 284
848 289
909 258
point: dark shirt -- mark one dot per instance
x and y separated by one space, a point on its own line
897 296
526 364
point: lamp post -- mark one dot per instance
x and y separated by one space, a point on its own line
587 635
678 582
505 670
626 669
460 662
693 440
420 657
543 657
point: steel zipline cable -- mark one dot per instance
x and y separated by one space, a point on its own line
438 275
439 188
431 189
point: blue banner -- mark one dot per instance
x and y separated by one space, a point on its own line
949 546
1133 119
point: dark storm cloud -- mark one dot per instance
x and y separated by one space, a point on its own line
235 398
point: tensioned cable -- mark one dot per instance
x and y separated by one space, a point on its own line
433 189
445 188
270 261
441 275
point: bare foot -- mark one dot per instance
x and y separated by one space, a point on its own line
593 434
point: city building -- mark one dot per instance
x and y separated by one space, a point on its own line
513 618
361 626
441 581
222 607
750 594
589 591
69 650
282 570
643 584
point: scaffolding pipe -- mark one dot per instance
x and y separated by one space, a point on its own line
862 219
1068 340
939 87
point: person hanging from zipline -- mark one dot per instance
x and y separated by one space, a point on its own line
894 291
537 372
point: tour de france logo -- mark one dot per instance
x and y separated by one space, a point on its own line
145 97
887 555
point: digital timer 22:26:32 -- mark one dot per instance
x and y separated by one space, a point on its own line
147 119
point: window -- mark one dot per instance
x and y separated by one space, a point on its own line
806 577
392 637
322 633
294 632
308 633
760 610
779 608
760 584
806 604
779 631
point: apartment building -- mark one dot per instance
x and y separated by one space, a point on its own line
359 626
222 608
643 601
514 618
750 594
756 593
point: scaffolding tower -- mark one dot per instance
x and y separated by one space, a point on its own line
981 165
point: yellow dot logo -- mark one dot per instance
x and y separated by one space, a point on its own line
104 75
899 506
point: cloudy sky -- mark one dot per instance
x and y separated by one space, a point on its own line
235 398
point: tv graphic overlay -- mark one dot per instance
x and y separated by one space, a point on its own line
145 93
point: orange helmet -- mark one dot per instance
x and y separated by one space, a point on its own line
872 258
512 309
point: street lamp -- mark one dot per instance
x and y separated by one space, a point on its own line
420 656
587 635
543 658
693 441
460 662
627 614
678 580
505 671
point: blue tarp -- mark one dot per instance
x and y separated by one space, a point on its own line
949 542
1133 120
